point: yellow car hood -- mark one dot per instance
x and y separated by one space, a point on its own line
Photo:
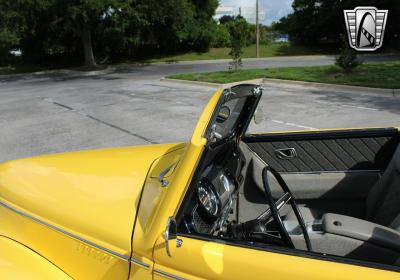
90 194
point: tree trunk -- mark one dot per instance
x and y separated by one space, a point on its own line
87 46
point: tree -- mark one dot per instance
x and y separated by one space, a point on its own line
238 30
320 22
82 17
222 37
225 19
176 25
9 31
61 32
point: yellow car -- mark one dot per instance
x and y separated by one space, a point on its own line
225 205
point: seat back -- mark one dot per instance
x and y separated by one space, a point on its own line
383 201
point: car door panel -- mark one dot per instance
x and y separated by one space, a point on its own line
328 165
201 259
369 149
320 184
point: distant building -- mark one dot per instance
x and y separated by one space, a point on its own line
282 38
248 12
277 37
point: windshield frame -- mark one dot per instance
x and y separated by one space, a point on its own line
253 94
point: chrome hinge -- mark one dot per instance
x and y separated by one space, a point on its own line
214 135
161 178
257 91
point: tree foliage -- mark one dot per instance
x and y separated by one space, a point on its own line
9 30
321 22
226 19
222 32
82 18
53 31
221 37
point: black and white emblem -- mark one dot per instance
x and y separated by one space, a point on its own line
365 27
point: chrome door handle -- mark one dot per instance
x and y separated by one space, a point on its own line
287 153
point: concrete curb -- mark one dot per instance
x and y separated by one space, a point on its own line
334 87
263 59
72 73
213 85
77 72
267 81
194 83
271 58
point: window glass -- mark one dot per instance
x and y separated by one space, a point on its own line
299 108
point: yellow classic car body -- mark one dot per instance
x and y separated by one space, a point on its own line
103 214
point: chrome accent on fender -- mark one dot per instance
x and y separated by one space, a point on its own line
135 261
126 258
161 178
169 275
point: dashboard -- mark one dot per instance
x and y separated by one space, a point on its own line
212 201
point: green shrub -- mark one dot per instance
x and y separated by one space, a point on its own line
238 30
347 59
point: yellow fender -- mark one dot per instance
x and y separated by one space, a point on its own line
20 262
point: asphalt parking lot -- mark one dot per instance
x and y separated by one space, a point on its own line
49 113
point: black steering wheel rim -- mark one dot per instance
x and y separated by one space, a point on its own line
275 212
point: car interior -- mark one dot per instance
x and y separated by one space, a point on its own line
327 194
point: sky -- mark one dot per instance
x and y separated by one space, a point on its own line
275 9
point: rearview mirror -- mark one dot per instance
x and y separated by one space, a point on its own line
223 114
171 237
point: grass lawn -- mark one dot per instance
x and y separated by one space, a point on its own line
276 49
379 75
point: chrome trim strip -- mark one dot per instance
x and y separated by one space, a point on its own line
65 232
172 276
345 171
135 261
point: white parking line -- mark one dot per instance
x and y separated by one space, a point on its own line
293 124
359 107
345 105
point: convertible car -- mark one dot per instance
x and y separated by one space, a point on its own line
226 205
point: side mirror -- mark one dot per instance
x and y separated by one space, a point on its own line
171 237
258 116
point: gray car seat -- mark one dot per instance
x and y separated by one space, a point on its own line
383 200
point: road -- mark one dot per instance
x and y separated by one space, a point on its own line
58 112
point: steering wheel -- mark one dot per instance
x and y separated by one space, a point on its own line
276 205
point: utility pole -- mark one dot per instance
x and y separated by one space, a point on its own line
257 32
